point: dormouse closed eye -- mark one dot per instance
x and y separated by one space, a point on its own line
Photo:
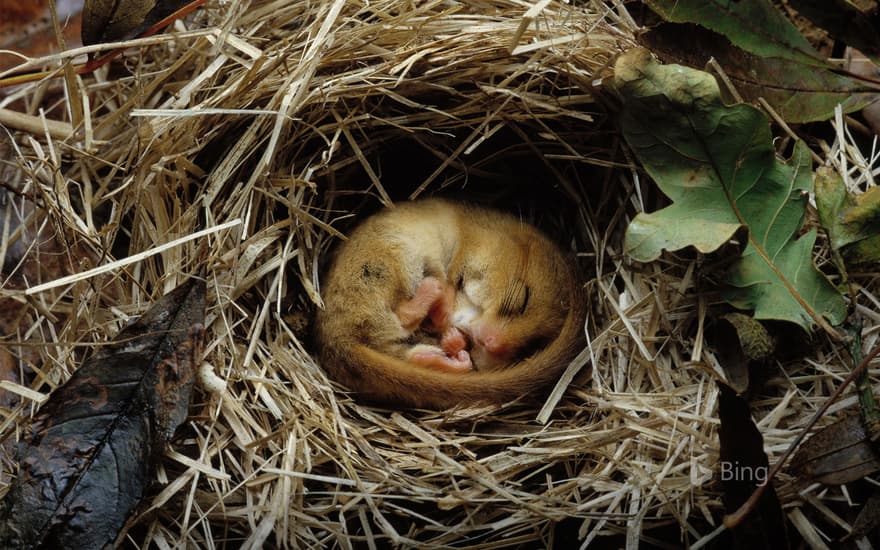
516 299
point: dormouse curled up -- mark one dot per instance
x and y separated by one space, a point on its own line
433 304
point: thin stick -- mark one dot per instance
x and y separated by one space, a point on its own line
734 519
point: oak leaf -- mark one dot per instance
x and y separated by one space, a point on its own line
718 166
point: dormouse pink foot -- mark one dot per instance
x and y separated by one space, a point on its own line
441 311
453 341
413 312
437 359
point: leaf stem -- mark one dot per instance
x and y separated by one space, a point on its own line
817 318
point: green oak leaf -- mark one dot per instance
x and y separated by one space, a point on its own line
844 21
851 221
798 92
718 166
756 26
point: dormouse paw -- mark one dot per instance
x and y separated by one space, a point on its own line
453 341
435 358
413 312
432 302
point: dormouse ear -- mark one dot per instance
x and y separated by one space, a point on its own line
459 280
468 272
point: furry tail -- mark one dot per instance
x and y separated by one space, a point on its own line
387 379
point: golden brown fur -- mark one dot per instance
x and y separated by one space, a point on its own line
504 286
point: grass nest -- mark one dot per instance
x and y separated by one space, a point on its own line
295 120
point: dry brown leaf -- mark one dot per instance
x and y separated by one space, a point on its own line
839 453
91 449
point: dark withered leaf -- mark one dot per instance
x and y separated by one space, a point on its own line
112 20
91 449
869 517
744 466
839 453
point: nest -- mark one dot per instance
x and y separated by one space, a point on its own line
290 121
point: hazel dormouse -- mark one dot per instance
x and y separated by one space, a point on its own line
434 303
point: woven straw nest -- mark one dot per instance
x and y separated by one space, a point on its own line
299 118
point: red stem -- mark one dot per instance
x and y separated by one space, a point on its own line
98 62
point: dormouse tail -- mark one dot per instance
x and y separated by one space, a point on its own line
389 379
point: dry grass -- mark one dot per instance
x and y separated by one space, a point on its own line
287 121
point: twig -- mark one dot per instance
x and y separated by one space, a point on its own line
734 519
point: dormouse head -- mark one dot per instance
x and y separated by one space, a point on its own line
512 297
